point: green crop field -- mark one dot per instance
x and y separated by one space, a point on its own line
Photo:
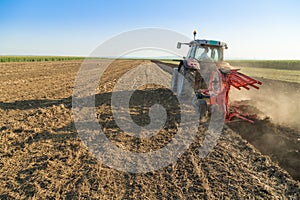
270 64
282 70
274 74
54 58
37 58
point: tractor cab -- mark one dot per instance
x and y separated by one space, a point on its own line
201 50
203 58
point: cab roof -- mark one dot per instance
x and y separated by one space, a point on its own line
210 43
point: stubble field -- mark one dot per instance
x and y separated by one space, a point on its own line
41 155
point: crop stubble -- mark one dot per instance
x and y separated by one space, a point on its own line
42 156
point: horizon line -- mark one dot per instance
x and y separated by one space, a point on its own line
139 57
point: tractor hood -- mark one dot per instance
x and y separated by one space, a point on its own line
192 63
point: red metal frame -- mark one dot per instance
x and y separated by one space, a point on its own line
220 95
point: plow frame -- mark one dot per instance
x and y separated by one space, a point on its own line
220 96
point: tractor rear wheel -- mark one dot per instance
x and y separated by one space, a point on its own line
185 82
201 106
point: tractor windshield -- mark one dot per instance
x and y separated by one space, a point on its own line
202 53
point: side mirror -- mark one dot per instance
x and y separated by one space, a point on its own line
178 45
184 57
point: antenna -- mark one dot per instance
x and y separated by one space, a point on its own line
195 33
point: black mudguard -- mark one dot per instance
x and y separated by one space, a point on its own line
184 64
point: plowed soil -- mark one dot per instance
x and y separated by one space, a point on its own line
41 155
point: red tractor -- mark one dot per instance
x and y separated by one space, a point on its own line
204 73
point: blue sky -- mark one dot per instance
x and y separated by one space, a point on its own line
256 29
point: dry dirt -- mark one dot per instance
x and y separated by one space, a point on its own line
41 155
276 131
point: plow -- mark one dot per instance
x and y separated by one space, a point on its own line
204 74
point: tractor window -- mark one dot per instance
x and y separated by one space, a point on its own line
203 53
191 53
199 52
215 54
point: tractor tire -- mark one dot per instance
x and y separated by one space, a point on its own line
185 82
201 106
203 109
174 80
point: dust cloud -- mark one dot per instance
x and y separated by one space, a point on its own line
275 99
276 129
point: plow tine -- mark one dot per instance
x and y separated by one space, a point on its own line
249 78
238 80
252 85
236 87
